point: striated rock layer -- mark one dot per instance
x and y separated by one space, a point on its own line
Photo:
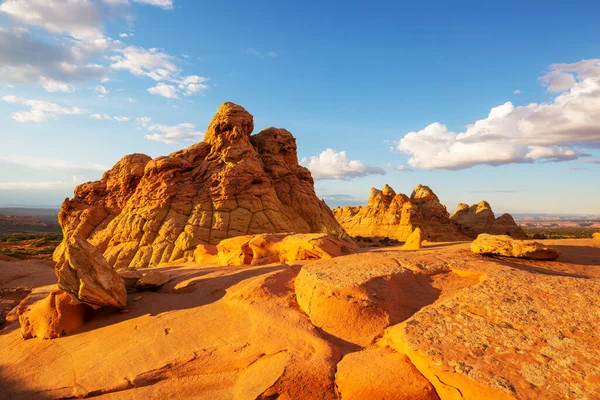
392 215
144 212
479 218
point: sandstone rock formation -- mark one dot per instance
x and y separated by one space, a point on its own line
130 276
144 212
83 272
506 225
474 327
152 280
414 240
392 215
596 235
53 317
479 218
516 335
271 248
381 373
503 245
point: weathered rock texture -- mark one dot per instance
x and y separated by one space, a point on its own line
267 249
83 272
479 218
145 212
53 317
381 374
392 215
475 327
516 335
503 245
414 240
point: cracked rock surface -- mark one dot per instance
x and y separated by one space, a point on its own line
439 322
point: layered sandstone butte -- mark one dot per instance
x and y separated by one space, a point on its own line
392 215
144 212
479 218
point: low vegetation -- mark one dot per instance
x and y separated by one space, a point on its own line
561 233
29 245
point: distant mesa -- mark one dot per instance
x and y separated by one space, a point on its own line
396 216
145 211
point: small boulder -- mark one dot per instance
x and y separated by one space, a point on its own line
414 240
130 276
84 273
205 254
57 315
504 245
152 280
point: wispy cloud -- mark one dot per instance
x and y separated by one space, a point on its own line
39 110
172 134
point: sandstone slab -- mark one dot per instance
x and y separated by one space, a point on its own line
381 374
152 280
83 272
516 335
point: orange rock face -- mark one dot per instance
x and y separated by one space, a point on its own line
229 185
392 215
53 317
381 374
84 274
479 218
414 240
271 248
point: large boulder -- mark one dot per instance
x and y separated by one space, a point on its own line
395 215
145 212
83 273
57 315
503 245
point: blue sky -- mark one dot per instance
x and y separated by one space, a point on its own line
375 93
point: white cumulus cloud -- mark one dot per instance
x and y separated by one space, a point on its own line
164 90
336 165
173 134
553 131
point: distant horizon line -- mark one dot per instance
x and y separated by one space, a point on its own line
562 214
